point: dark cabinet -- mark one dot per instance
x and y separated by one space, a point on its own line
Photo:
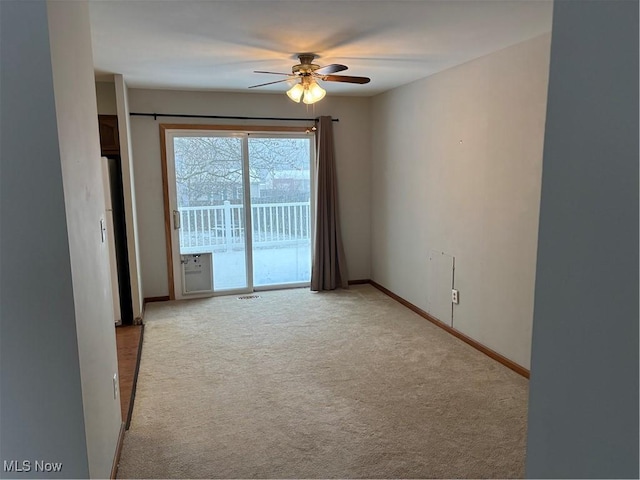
109 138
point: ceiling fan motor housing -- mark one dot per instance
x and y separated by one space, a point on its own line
305 67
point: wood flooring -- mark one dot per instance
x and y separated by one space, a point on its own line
129 343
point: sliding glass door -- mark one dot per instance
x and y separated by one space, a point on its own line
280 171
210 204
240 210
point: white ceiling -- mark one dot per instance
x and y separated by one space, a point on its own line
216 45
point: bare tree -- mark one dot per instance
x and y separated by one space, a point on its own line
210 168
207 168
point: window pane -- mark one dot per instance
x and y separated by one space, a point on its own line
280 182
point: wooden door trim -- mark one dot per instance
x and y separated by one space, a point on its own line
167 211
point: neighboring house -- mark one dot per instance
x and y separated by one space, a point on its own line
294 181
471 200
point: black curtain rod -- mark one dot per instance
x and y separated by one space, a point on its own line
226 117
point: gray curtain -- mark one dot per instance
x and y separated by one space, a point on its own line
329 268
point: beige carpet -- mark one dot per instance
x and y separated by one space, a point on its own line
294 384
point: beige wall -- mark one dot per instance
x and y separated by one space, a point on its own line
76 113
106 96
352 137
129 194
457 161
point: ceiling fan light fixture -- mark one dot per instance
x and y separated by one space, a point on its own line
313 93
305 76
295 92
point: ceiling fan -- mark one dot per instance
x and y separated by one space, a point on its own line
307 89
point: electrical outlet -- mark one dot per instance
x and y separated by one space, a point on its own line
455 296
115 386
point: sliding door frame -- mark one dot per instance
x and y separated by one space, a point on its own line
165 130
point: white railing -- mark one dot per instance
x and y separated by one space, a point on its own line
221 227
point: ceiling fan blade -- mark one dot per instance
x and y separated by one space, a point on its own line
344 78
272 73
333 68
269 83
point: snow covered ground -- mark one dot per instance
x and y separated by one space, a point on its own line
271 266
